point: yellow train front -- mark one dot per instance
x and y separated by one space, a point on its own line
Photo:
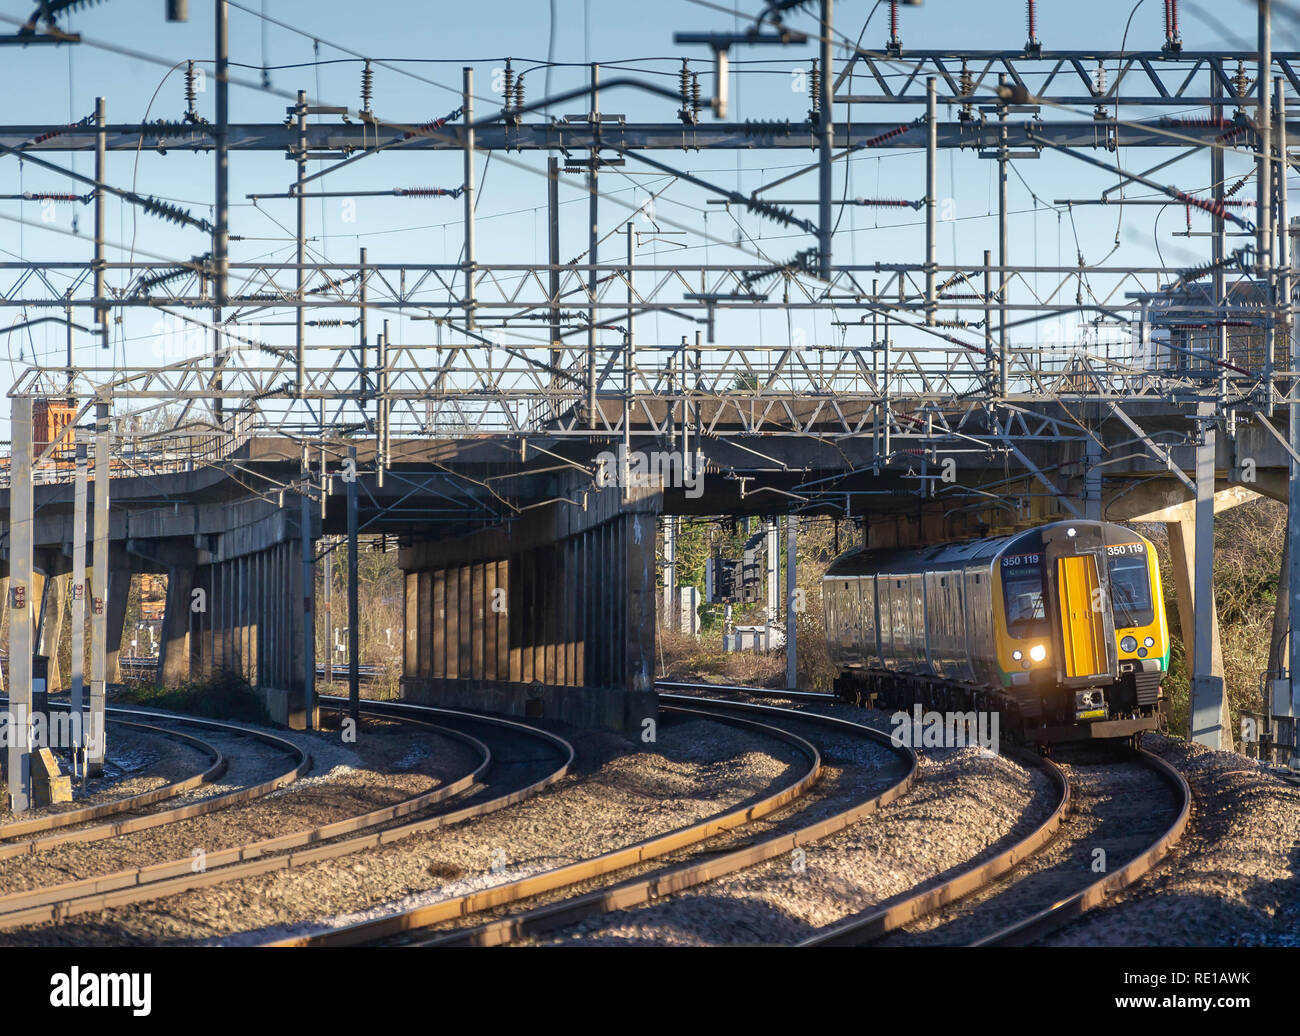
1060 629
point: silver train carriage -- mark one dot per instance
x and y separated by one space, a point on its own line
1060 628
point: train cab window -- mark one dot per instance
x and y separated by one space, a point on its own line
1022 590
1130 591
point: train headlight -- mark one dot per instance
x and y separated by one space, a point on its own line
1128 644
1038 652
1150 642
1017 655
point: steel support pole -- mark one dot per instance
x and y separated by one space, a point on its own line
1207 689
670 572
221 214
931 197
826 142
1282 295
1219 250
1003 249
629 357
363 372
1292 340
308 601
470 194
77 677
383 407
553 256
990 360
300 206
354 618
101 172
21 519
100 591
327 606
792 603
772 565
1264 183
593 242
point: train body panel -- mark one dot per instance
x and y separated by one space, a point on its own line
1063 624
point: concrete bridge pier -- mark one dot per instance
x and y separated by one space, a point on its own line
552 615
237 606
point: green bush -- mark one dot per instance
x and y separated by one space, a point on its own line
223 695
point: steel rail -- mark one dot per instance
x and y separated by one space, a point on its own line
767 692
687 875
132 825
55 903
83 814
582 870
1036 925
912 905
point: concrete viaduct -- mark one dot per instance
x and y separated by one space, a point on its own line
531 587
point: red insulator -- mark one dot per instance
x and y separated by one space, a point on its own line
898 131
427 127
1214 208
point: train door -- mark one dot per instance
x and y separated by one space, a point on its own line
1083 625
1081 609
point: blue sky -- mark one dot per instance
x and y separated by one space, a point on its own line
427 43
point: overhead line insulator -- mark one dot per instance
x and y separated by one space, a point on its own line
367 88
1033 47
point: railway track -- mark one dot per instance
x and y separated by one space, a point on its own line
1061 901
12 840
674 686
1041 883
400 924
473 794
680 859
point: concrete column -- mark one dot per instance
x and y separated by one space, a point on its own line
119 588
1182 550
200 623
49 628
640 608
174 644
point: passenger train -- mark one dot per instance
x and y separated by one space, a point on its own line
1060 629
